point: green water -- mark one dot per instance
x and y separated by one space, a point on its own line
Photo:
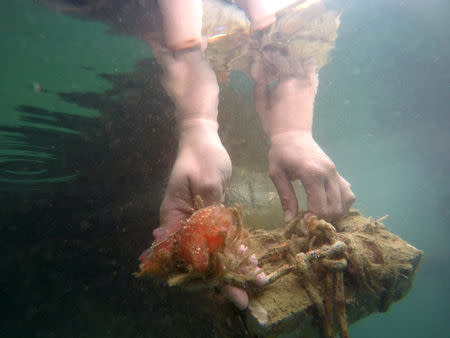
71 156
59 54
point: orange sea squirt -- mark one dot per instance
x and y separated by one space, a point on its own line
203 234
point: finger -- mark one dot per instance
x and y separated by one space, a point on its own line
171 220
211 190
347 195
173 213
333 194
287 195
236 295
177 201
316 199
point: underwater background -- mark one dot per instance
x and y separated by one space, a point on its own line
87 141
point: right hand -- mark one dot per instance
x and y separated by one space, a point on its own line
202 168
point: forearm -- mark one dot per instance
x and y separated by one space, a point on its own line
197 117
293 111
287 122
191 84
197 104
182 21
188 79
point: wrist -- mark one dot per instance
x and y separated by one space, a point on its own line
288 136
275 131
199 135
193 87
283 126
194 126
290 108
291 116
194 114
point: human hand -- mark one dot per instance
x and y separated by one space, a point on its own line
295 155
286 115
202 167
237 295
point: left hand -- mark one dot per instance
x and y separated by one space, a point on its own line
286 113
295 155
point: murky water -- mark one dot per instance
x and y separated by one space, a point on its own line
87 141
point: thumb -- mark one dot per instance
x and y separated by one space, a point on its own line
287 196
236 295
177 203
170 221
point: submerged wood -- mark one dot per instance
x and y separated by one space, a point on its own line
320 277
380 271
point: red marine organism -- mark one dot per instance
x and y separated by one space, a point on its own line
197 245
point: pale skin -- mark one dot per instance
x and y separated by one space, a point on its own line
286 114
202 166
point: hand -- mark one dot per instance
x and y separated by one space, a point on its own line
202 167
286 115
295 155
249 267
